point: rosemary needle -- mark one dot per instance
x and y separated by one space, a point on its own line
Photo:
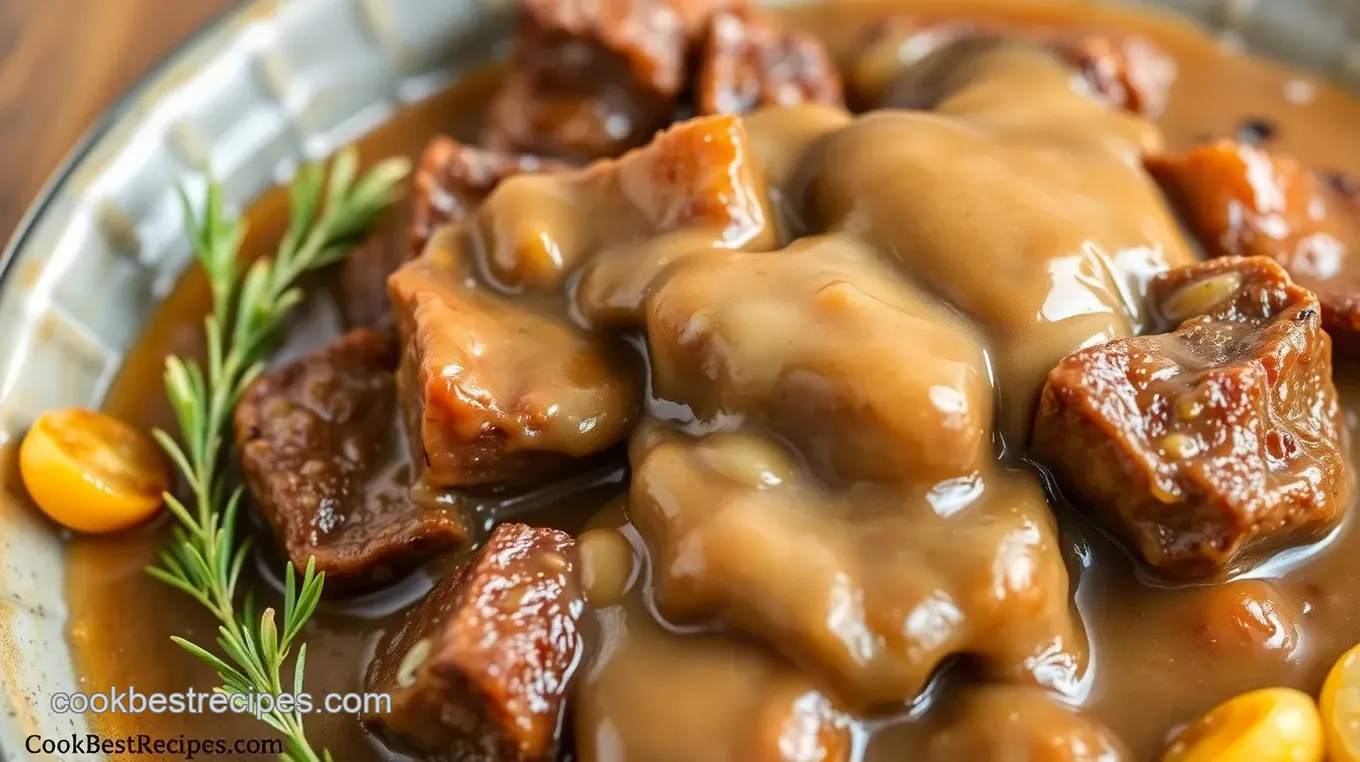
205 557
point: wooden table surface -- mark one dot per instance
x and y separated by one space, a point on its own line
62 63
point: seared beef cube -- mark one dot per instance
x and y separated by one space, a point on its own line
649 37
1247 619
1064 267
1127 72
1345 184
550 106
890 46
500 390
453 178
479 671
696 174
736 331
496 391
592 79
1013 723
749 61
321 450
869 589
1240 200
697 186
363 280
655 695
698 179
1210 445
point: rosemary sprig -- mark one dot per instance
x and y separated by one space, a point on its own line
205 557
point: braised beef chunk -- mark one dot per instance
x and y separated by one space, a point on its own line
453 178
1344 183
737 331
892 45
739 535
697 186
1253 619
1242 200
698 174
1001 723
363 280
1211 443
1065 267
499 389
749 61
1128 72
496 391
480 670
649 37
656 695
320 447
592 79
546 107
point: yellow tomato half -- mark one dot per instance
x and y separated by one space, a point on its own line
1341 708
92 472
1267 725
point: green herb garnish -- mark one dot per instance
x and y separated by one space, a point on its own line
205 558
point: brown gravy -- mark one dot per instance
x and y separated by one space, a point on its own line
1160 656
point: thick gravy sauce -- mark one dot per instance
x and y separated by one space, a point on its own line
1158 656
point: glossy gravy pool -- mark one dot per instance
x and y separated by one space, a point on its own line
1160 657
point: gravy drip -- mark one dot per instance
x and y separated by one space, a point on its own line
1157 657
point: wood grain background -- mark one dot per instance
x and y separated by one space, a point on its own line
62 63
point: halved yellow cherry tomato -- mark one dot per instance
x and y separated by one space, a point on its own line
92 472
1340 702
1267 725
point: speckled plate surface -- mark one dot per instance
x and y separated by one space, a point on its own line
259 90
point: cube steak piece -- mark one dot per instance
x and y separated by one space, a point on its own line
452 179
480 670
749 60
1209 446
1240 200
508 390
323 455
1128 72
362 283
592 79
994 722
496 391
